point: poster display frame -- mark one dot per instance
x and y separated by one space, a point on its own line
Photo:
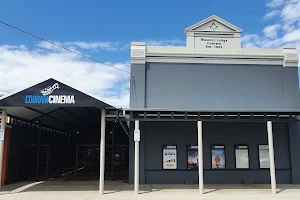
187 156
259 164
234 148
163 167
224 149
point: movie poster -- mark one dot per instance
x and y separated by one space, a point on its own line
169 157
264 157
218 156
241 157
192 154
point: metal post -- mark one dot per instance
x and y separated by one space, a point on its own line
48 159
200 157
102 153
38 154
76 164
69 149
112 151
271 155
3 122
136 161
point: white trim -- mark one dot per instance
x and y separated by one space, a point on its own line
233 56
209 110
291 56
213 60
138 52
216 18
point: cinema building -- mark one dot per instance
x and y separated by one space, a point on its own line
210 112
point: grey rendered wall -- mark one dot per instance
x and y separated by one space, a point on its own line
156 134
211 86
137 86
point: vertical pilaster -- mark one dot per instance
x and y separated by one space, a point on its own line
102 153
271 155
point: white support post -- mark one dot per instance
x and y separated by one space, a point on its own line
200 157
3 122
271 155
136 159
102 153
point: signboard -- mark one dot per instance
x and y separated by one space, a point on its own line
192 156
216 42
241 156
264 158
1 134
46 97
51 93
169 157
137 135
218 156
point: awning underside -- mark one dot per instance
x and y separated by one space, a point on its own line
254 116
66 119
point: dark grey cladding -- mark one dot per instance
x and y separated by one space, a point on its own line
214 87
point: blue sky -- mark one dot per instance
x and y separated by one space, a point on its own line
104 30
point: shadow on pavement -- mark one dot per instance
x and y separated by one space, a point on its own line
112 187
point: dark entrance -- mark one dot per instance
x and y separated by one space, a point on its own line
56 134
116 162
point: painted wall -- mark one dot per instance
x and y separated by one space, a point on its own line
137 86
212 86
5 156
13 170
156 134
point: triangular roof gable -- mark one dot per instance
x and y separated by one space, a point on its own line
213 20
51 93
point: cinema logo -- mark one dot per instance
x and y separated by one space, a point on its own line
46 97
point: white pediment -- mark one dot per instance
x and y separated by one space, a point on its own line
213 24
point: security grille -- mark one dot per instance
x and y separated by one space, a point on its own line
116 162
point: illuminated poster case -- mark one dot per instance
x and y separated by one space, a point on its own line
264 158
169 157
218 156
192 157
241 156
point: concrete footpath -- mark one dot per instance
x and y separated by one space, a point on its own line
87 190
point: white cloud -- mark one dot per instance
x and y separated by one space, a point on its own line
47 45
174 42
250 41
271 43
288 27
292 36
286 31
271 31
107 46
247 38
271 14
21 68
291 12
274 3
81 45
